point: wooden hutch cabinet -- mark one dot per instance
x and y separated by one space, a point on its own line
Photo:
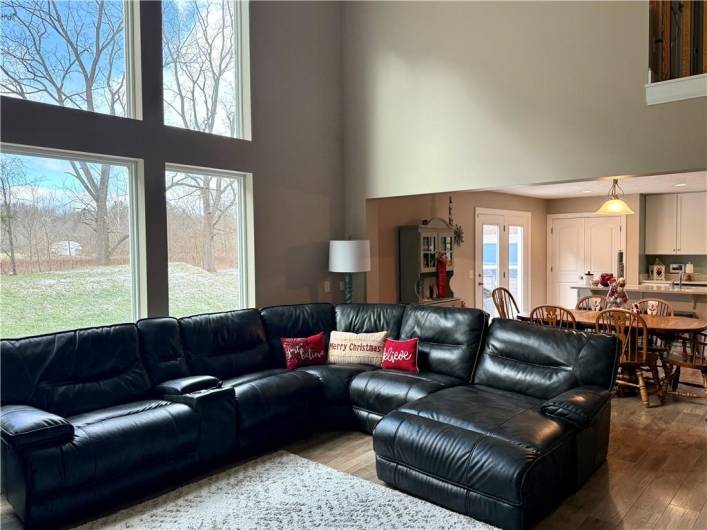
419 248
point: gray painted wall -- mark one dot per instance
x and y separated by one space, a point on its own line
480 95
295 155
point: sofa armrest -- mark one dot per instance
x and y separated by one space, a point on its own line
201 398
186 385
577 406
24 427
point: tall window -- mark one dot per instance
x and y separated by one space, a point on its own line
205 66
66 242
206 238
70 53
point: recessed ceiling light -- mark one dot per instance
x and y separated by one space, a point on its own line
586 191
680 185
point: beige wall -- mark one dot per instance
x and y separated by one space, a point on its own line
633 229
482 95
385 215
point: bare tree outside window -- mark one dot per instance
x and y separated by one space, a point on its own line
69 53
52 278
201 87
72 53
204 237
200 53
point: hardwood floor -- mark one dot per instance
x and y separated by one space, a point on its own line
655 476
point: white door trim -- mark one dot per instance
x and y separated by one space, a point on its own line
549 245
527 244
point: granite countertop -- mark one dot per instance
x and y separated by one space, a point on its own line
651 288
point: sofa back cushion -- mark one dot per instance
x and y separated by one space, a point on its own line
450 338
295 321
542 362
71 372
369 318
225 345
162 350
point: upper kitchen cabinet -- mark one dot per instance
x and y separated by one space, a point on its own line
661 224
676 223
692 223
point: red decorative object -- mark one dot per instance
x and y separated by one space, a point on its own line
606 279
304 351
400 355
442 282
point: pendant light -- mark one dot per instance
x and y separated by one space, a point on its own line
615 205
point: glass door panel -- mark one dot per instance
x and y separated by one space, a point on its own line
429 252
502 257
491 260
515 263
446 247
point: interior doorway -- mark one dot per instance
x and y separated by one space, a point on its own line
502 256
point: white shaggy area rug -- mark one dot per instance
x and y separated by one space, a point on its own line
284 491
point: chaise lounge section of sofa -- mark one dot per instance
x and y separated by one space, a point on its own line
92 418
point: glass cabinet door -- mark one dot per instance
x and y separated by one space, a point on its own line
429 252
446 244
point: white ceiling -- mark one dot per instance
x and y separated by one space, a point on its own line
695 181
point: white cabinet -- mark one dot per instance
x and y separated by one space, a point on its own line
692 223
661 224
676 223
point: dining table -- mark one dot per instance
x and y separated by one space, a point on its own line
655 323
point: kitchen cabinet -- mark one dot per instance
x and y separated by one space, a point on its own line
661 223
692 223
676 223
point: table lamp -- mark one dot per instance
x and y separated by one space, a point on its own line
349 257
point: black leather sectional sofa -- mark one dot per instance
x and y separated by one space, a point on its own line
500 423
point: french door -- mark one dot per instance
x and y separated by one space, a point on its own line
502 256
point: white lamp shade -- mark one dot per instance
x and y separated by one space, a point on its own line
350 256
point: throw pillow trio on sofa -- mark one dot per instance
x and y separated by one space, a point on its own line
375 349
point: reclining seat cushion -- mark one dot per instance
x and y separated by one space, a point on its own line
274 404
370 318
508 416
335 379
543 362
114 442
450 338
295 321
225 345
376 393
510 485
71 372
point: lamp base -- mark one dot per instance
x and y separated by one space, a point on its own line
348 287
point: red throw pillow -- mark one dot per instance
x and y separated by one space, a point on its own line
400 355
305 351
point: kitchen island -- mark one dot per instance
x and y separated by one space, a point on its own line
686 298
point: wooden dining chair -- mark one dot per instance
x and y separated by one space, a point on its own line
655 306
552 315
505 303
661 342
635 358
591 303
695 357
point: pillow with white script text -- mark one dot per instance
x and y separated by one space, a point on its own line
304 351
400 355
356 348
